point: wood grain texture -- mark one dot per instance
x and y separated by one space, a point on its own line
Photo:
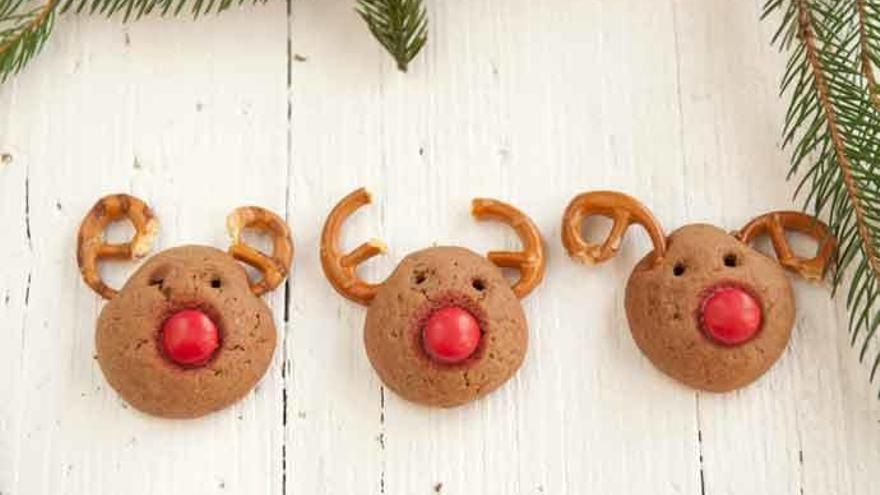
291 106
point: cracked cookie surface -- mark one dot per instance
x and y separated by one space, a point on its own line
128 334
423 282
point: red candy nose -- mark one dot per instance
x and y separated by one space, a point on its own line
451 335
189 337
730 315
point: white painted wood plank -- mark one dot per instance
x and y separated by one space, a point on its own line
731 111
14 294
729 105
787 433
193 120
333 412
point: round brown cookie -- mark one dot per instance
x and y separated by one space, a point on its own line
128 334
426 281
663 306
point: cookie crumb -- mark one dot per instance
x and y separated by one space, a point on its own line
300 58
438 487
5 158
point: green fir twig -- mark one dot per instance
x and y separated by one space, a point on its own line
24 28
401 26
832 126
135 9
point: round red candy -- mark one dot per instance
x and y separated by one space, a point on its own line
451 335
189 337
730 315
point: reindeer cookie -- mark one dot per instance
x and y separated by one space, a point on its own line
445 327
188 333
703 306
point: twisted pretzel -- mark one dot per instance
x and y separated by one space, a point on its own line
92 247
530 261
776 223
341 270
624 210
274 267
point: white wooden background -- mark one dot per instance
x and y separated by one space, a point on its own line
292 106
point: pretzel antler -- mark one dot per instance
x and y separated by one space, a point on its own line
776 223
341 270
624 210
92 247
274 267
531 260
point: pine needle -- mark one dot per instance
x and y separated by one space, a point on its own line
401 26
833 129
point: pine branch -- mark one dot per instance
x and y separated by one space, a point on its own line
834 127
135 9
401 26
24 28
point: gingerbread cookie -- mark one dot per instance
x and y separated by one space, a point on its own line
187 334
445 328
705 307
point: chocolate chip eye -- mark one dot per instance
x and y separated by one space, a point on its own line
478 284
216 282
157 278
678 269
731 260
419 278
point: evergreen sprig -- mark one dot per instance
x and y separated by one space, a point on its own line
135 9
401 26
832 126
24 27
